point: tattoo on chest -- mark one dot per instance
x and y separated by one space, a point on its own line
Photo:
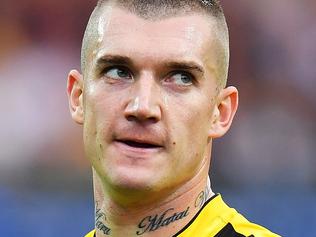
99 218
152 223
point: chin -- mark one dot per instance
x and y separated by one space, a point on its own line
135 179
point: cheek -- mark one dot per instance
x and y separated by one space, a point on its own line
100 106
98 112
190 124
195 119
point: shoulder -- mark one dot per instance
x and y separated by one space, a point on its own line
90 234
217 219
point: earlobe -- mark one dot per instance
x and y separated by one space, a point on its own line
75 95
224 112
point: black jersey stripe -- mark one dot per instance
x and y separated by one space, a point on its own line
196 215
229 231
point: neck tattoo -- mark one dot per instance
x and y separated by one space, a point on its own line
203 195
155 222
99 222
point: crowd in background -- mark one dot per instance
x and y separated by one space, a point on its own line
271 142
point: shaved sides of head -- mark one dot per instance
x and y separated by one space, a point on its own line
154 10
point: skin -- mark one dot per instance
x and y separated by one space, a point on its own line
150 82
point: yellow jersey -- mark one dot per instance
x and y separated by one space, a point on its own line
216 219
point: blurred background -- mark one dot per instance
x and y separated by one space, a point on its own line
265 166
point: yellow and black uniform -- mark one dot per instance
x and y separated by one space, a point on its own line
216 219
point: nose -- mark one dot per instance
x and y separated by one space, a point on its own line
143 103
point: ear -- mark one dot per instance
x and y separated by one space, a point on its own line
75 95
224 112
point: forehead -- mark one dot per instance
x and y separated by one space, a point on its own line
120 31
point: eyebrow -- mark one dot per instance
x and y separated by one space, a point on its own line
113 59
185 65
123 60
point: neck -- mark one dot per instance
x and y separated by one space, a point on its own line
161 218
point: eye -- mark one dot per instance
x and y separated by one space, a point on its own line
117 73
181 78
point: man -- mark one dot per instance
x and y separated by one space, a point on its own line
151 98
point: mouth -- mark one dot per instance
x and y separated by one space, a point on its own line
139 144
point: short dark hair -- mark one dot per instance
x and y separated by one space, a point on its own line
150 9
159 9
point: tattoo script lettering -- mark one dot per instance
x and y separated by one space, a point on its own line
99 217
200 200
152 223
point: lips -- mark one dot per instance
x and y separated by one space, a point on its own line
144 144
137 149
139 142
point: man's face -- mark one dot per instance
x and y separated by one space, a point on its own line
149 96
